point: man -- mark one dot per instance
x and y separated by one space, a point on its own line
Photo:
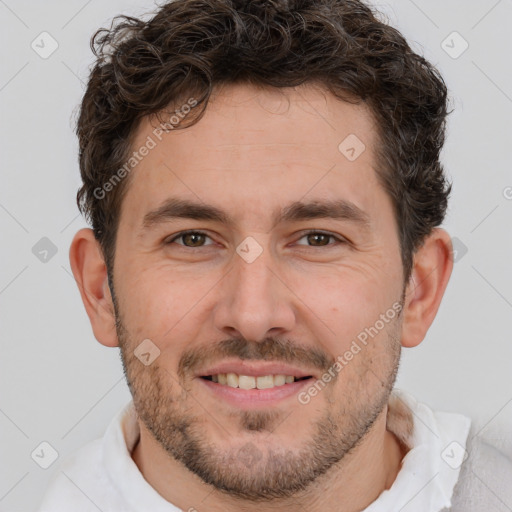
265 193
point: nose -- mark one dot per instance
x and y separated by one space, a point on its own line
254 300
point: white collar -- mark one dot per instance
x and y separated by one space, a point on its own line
431 468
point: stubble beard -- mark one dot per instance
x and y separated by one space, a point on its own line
257 469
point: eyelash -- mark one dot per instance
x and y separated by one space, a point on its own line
304 234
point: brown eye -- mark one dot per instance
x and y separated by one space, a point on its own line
193 239
320 239
190 239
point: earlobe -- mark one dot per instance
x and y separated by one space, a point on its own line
432 267
90 272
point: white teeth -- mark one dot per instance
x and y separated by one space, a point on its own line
232 380
246 382
249 382
279 380
265 382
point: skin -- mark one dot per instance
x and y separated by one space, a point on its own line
254 152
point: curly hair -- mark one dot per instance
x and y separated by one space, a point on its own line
191 46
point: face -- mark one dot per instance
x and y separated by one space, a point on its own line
286 272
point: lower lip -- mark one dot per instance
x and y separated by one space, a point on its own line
255 397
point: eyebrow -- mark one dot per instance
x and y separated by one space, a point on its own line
339 209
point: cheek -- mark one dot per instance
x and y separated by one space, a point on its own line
340 304
149 303
156 304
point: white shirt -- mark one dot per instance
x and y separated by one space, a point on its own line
103 476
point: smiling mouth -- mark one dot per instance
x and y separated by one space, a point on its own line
234 380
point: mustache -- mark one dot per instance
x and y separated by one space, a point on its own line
269 349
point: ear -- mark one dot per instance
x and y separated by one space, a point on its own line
90 273
432 267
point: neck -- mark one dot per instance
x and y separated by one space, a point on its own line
353 484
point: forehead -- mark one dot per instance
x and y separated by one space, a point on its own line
257 149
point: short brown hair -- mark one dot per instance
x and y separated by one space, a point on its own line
192 46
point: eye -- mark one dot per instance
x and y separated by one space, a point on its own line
190 239
321 239
196 239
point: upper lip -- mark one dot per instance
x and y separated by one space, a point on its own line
255 369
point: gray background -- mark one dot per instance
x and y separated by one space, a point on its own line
60 386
